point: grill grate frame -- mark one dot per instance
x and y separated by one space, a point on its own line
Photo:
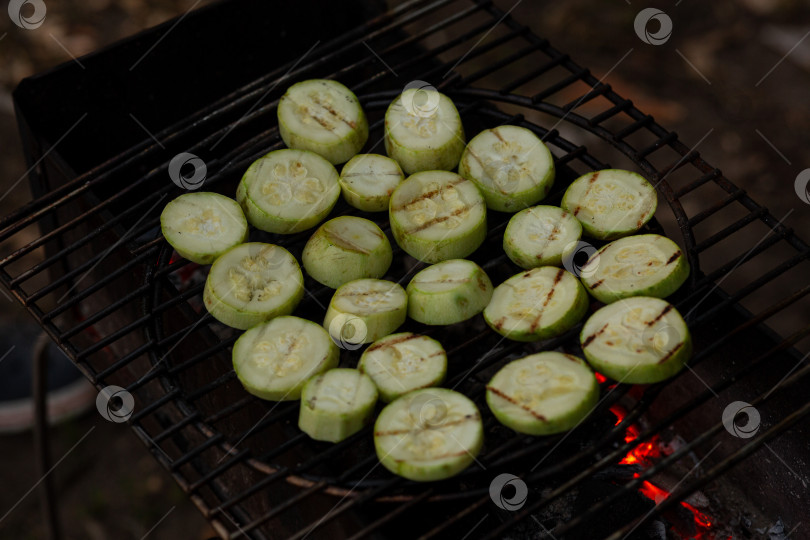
166 418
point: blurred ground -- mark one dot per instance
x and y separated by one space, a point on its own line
719 77
110 487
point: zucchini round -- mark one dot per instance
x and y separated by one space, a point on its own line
423 131
364 310
251 283
438 215
537 304
611 203
541 236
448 292
402 363
639 265
324 117
428 434
202 226
346 248
288 191
637 340
273 360
543 393
336 404
368 180
510 165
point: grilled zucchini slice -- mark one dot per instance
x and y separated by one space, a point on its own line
251 283
438 215
336 404
611 203
541 236
448 292
402 363
364 310
288 191
324 117
346 248
368 180
423 131
543 393
639 265
638 340
429 434
274 359
510 165
201 226
537 304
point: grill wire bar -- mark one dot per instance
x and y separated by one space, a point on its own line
130 339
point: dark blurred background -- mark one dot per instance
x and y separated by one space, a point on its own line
734 76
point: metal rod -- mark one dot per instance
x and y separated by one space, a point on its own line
47 490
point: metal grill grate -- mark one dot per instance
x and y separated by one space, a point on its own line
105 288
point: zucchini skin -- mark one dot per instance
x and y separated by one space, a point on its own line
412 160
386 393
331 426
338 152
546 426
450 246
432 252
644 374
268 222
577 311
376 324
662 289
365 202
432 470
509 202
330 264
450 307
593 230
242 319
528 260
640 373
329 361
199 257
